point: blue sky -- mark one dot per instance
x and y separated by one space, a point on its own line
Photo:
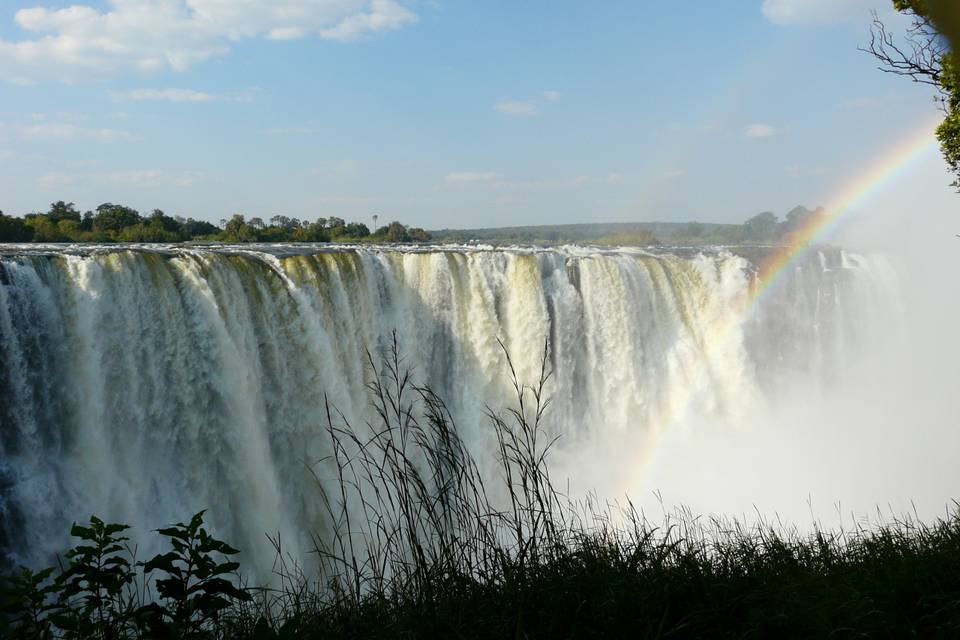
447 112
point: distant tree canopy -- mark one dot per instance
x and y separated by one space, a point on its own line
119 223
762 229
927 54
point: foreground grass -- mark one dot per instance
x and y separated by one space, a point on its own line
896 581
418 547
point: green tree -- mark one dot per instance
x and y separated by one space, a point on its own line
14 230
397 232
159 219
43 229
761 227
114 217
418 235
925 55
356 230
61 210
70 230
797 218
237 230
198 228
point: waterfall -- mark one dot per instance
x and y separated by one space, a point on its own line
143 385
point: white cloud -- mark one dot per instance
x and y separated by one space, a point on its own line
516 108
817 12
287 131
150 35
800 171
286 33
470 176
382 15
861 103
148 178
180 95
610 178
67 131
127 178
521 185
552 96
57 179
66 116
759 130
672 174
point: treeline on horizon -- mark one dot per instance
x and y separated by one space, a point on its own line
763 228
119 223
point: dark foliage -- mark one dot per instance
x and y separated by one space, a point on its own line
927 54
119 223
103 593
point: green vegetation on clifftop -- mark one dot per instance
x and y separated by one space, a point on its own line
119 223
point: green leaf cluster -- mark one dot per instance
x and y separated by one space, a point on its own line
119 223
194 591
944 16
102 592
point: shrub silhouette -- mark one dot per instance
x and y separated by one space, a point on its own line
194 591
96 595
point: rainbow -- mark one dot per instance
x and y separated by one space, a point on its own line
856 191
878 175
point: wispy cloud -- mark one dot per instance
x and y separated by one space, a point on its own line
287 131
66 116
180 95
67 131
81 40
861 103
382 15
815 12
470 176
800 171
516 108
362 201
610 178
57 179
551 95
760 130
149 178
128 178
672 174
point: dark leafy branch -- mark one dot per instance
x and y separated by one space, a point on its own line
919 56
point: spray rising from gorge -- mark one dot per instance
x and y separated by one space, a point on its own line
142 385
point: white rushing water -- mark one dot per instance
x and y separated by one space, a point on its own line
144 385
